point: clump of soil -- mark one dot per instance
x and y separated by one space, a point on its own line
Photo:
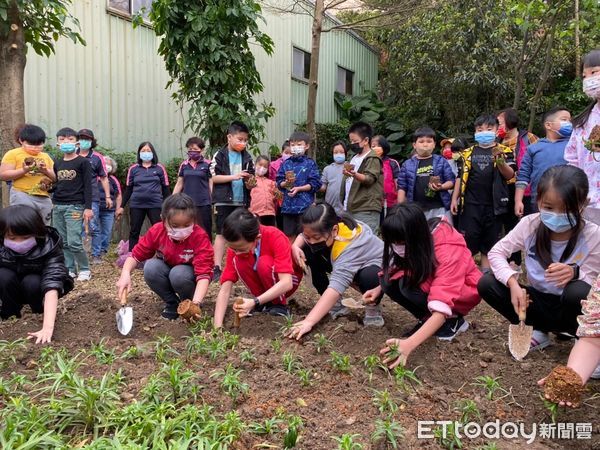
236 317
188 311
45 184
564 384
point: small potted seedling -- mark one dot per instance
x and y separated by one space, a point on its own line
251 182
45 184
593 142
498 155
434 180
348 167
564 384
189 311
290 178
237 320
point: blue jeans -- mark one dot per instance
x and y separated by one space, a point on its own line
107 220
94 227
171 284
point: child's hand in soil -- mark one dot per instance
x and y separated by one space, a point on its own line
371 295
541 384
299 329
559 274
395 346
43 336
245 308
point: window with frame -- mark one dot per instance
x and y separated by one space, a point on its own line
345 81
130 7
300 64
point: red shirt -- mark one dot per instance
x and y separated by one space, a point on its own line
272 242
195 251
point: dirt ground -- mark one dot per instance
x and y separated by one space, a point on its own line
335 403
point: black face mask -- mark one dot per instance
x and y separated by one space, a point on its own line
355 148
318 247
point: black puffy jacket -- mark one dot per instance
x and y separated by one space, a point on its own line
47 260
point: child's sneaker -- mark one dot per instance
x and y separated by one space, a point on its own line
84 275
73 275
96 260
451 328
276 310
373 317
539 340
596 374
338 310
169 313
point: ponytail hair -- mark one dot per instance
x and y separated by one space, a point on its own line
322 218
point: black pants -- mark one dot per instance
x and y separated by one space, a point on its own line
509 220
204 219
136 221
17 291
414 300
267 220
547 312
320 266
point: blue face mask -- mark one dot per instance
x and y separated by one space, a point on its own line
566 128
68 147
146 156
485 137
339 158
85 144
557 222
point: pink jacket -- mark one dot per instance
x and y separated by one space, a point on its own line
262 197
452 289
274 168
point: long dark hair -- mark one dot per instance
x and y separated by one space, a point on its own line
241 224
141 146
22 220
571 184
322 218
592 59
406 223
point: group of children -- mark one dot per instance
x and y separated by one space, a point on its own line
433 214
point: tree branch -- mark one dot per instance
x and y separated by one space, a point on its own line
361 22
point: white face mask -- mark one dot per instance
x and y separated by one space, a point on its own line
261 171
297 150
399 249
591 86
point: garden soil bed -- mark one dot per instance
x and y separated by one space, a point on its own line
335 403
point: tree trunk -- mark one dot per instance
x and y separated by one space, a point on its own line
313 78
520 72
577 46
543 78
12 95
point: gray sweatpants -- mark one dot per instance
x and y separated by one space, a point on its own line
40 203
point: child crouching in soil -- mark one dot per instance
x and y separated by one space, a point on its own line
178 255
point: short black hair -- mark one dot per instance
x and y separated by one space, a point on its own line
423 132
285 145
486 119
548 114
195 141
178 203
383 143
363 129
32 134
66 132
458 145
300 136
341 144
511 118
22 220
241 224
141 146
236 127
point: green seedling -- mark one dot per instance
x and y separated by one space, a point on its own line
247 356
340 362
288 324
291 438
231 383
305 377
370 363
384 402
405 378
348 442
321 342
468 410
9 351
102 353
163 351
449 440
269 426
276 345
388 431
216 349
290 362
491 385
393 353
131 353
551 407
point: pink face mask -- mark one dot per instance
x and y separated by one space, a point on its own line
21 247
285 156
261 171
180 234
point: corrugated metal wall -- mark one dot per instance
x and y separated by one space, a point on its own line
116 84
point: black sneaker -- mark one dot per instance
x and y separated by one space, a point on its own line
169 313
414 329
276 310
217 274
451 328
564 336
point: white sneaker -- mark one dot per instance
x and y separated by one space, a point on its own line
596 373
73 275
539 340
84 275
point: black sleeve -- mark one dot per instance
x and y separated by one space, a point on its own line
126 195
165 191
55 275
87 183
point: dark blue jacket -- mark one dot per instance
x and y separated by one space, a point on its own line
408 177
307 172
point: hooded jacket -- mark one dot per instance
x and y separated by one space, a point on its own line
46 259
366 196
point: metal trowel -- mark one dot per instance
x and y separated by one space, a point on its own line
519 336
124 316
